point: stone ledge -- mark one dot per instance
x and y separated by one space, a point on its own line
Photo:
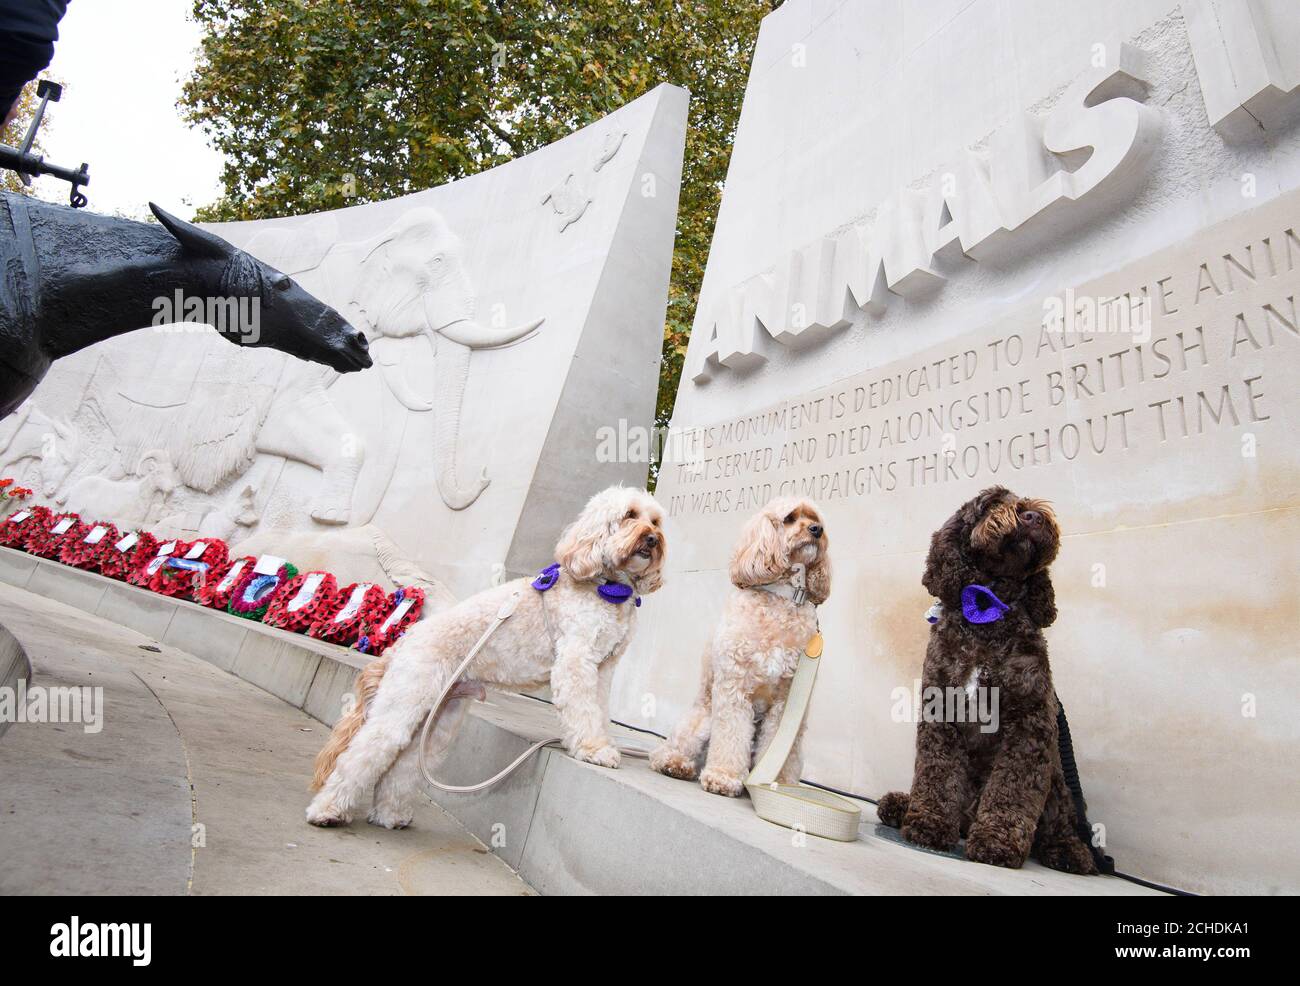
566 827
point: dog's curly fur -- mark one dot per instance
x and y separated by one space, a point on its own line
749 663
619 536
1003 791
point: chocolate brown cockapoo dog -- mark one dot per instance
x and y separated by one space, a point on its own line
1002 789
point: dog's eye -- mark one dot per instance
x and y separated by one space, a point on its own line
283 283
789 518
631 515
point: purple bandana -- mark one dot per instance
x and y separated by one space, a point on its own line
980 605
612 592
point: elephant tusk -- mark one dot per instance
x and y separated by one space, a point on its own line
470 333
402 390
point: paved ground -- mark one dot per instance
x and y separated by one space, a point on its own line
195 784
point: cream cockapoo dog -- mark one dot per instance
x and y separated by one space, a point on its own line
574 644
751 660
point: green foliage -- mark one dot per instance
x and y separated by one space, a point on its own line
323 103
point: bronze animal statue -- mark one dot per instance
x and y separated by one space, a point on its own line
69 279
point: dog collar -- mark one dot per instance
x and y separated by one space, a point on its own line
609 590
979 604
795 589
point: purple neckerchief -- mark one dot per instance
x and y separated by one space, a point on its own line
975 610
612 592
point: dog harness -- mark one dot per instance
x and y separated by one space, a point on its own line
609 590
979 604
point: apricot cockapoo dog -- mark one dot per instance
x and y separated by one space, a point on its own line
1003 789
574 644
751 659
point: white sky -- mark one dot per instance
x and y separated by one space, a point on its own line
122 63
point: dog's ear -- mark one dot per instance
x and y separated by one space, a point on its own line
819 572
819 576
579 551
651 580
947 565
760 556
1040 599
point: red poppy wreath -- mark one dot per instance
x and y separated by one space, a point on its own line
404 607
128 553
220 585
85 551
364 605
46 542
18 526
189 567
142 575
304 599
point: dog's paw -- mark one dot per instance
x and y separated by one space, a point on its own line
601 756
930 831
672 763
716 781
326 816
987 845
1068 857
892 808
386 818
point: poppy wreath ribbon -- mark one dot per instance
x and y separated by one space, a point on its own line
189 567
130 551
47 542
217 589
142 574
404 608
85 551
16 528
362 605
254 590
302 601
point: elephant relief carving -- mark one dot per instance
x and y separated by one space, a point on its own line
412 282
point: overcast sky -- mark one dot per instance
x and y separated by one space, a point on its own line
122 63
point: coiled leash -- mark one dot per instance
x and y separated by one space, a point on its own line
545 581
798 806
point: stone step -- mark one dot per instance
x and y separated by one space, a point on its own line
566 827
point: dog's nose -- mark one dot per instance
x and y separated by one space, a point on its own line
815 530
650 540
1030 518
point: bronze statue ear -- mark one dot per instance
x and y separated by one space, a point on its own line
195 241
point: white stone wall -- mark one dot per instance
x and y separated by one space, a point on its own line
562 255
1178 669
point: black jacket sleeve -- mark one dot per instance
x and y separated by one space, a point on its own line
28 30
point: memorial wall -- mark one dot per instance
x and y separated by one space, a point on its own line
1056 247
508 314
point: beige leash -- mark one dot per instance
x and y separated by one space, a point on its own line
798 806
504 613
